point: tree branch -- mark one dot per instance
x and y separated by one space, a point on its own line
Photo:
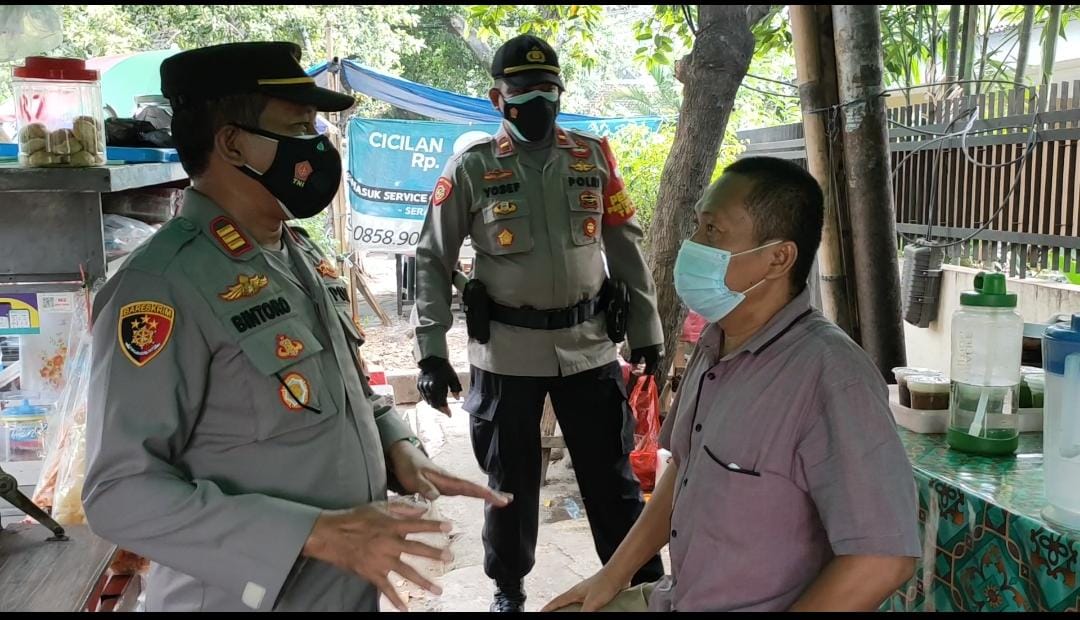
756 13
480 50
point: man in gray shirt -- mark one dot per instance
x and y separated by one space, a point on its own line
790 489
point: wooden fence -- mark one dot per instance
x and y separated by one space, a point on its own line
995 203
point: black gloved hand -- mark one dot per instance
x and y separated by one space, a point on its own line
652 355
436 376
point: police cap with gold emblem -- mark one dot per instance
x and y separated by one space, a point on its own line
526 61
269 68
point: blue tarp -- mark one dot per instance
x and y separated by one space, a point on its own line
435 103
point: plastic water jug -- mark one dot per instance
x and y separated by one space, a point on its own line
987 338
1061 424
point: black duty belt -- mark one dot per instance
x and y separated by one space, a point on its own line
557 318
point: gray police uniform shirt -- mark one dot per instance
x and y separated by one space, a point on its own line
226 411
541 230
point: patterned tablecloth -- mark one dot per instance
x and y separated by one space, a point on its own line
986 546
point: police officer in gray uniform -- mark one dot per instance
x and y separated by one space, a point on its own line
232 438
543 206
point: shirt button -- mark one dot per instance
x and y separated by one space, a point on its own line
712 375
186 225
674 533
685 480
698 428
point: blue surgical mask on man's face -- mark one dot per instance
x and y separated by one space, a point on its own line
700 279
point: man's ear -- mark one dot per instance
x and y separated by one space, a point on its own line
782 257
226 145
494 95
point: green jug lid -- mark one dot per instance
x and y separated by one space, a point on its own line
989 292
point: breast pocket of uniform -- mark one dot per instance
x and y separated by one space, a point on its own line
504 228
290 393
586 209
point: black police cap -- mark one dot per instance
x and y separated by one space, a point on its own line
269 68
526 61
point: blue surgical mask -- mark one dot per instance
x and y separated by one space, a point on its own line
700 273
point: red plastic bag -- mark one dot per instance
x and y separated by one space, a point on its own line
645 403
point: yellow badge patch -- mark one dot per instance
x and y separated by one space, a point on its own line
227 233
582 166
246 286
504 208
326 270
295 394
287 348
505 238
144 329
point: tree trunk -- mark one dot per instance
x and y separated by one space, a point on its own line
711 75
1025 41
952 44
866 158
815 64
1050 37
967 47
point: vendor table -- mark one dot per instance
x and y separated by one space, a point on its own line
986 546
38 575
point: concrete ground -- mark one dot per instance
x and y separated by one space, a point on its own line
564 554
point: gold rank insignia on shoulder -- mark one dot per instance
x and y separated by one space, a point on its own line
505 238
326 270
505 146
287 348
229 236
498 175
582 166
144 329
581 150
504 208
246 286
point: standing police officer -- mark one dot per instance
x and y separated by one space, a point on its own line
231 437
544 206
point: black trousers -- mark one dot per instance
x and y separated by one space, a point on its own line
598 427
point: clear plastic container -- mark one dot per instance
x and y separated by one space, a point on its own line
1061 424
58 113
902 373
1032 389
22 433
929 392
987 337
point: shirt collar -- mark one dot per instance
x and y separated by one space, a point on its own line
712 338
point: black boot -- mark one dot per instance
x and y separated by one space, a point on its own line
509 597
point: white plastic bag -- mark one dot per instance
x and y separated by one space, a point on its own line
124 234
28 30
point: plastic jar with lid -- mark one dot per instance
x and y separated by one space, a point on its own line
902 373
929 392
58 113
22 433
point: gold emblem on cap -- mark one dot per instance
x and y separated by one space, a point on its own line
535 55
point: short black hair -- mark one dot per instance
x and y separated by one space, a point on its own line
785 203
195 124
